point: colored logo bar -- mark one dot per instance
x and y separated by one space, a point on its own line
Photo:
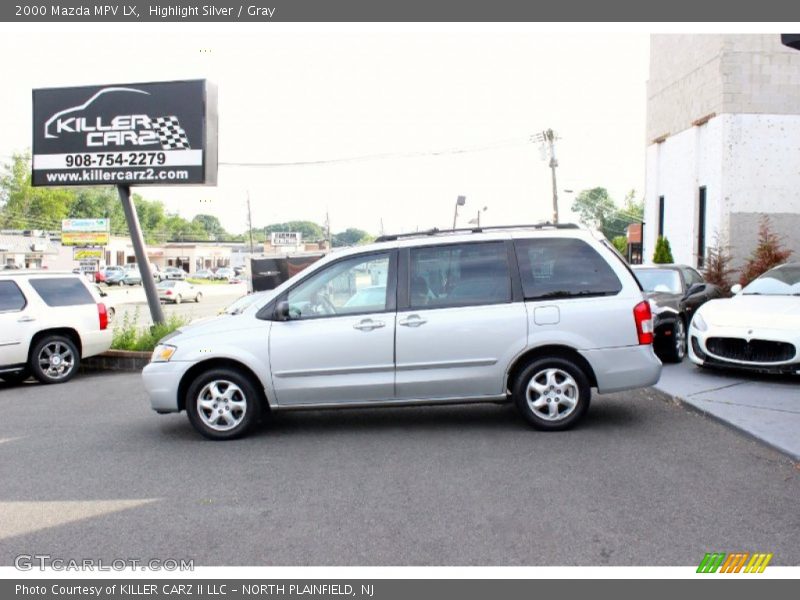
734 562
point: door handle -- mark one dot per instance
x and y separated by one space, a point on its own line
413 321
26 319
369 325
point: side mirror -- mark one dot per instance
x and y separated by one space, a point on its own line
695 288
735 289
282 311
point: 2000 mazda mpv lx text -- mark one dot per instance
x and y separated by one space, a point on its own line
537 315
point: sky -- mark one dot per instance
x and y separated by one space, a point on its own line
329 93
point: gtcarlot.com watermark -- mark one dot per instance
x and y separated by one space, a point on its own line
42 562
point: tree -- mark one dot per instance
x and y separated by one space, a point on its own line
351 237
621 244
23 206
663 253
718 268
767 254
595 207
211 225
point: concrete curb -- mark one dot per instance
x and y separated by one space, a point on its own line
116 360
795 458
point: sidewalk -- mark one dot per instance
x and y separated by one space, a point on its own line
768 408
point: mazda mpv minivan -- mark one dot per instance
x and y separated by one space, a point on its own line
535 315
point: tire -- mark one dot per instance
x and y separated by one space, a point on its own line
223 404
48 370
15 378
673 348
552 394
178 299
111 313
198 297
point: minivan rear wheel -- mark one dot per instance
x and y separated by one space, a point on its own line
552 393
223 404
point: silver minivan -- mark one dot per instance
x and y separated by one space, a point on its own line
534 315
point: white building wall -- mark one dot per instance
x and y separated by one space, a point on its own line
749 163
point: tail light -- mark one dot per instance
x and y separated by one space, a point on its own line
168 293
102 313
644 322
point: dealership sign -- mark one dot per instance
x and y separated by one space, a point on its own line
150 133
84 238
84 254
85 224
285 238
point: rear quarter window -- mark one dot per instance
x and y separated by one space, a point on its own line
11 297
563 268
62 291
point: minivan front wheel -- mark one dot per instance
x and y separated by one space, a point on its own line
223 404
552 393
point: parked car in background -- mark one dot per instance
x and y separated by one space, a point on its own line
102 296
224 273
758 329
114 275
537 316
48 322
675 292
204 274
132 277
99 277
173 273
178 291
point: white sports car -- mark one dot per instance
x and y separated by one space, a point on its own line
758 329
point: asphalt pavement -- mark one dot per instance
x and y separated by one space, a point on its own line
90 471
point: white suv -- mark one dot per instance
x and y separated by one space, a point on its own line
48 322
536 315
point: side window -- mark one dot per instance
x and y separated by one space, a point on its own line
692 277
459 275
353 286
563 268
62 291
11 297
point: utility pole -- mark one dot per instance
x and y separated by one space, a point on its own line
250 222
548 137
328 229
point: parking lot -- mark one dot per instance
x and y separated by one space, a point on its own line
90 471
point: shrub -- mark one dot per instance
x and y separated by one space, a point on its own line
621 244
131 336
718 268
663 253
767 254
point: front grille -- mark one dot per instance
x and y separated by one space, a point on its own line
761 351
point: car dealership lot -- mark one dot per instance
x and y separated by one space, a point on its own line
90 471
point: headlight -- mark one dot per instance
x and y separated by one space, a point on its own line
698 323
162 353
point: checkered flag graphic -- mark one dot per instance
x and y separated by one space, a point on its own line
171 134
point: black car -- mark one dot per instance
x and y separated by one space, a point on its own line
674 293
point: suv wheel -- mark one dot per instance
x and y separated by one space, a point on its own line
552 393
54 359
223 404
674 347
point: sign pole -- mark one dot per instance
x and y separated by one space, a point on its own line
148 282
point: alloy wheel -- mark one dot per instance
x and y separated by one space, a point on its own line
552 394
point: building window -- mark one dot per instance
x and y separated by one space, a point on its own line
701 228
661 216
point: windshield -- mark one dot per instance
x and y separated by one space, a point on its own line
166 284
782 281
659 280
240 304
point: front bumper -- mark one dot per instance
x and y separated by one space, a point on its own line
700 355
625 368
161 380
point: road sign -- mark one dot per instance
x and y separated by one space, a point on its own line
131 134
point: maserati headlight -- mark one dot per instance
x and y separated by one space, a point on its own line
698 323
162 353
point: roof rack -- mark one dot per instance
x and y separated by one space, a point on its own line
436 231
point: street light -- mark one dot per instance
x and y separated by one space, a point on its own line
477 220
460 201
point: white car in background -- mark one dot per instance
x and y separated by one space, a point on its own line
758 329
178 291
48 322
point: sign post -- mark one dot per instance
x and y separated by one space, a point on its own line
161 133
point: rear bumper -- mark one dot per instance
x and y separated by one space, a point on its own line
95 342
161 380
625 368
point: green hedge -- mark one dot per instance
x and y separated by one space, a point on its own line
129 335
